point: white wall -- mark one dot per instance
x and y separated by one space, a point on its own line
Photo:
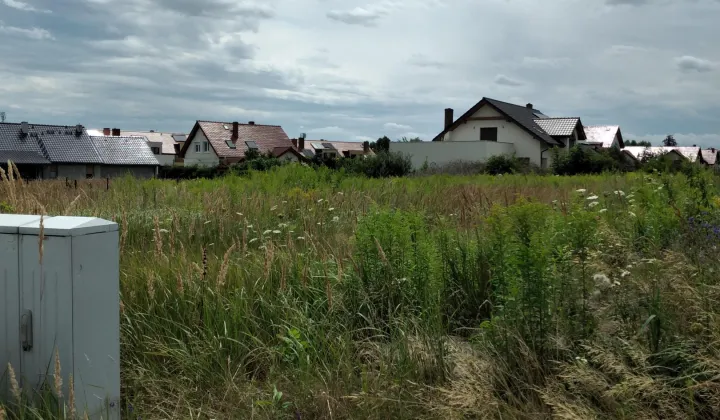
441 153
525 145
193 158
166 160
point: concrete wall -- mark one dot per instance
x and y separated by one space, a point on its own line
525 145
441 153
193 158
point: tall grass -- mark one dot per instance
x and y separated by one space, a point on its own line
302 293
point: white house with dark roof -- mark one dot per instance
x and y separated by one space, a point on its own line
55 151
493 127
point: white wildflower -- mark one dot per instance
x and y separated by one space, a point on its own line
601 280
320 200
632 214
624 273
273 208
301 238
267 232
602 210
283 225
276 231
331 209
239 214
341 193
249 226
620 193
252 240
593 204
206 222
592 197
581 191
336 219
284 202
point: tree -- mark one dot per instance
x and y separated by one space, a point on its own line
411 140
644 143
381 145
670 141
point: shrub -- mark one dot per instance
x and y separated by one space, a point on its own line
502 164
583 160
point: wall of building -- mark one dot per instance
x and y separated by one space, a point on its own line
288 157
441 153
525 145
120 171
193 158
70 171
166 160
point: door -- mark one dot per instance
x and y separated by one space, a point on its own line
9 309
46 291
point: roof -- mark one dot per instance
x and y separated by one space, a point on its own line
525 117
689 153
558 126
22 157
340 146
125 151
281 150
267 138
603 135
57 143
167 139
709 156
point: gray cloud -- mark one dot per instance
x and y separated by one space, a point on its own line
421 60
32 33
19 5
363 16
627 2
689 63
503 80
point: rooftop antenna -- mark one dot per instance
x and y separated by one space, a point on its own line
2 116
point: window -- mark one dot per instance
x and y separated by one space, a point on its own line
197 147
230 144
206 146
89 171
251 145
53 171
155 150
488 134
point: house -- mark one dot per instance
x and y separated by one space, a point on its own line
676 153
212 143
492 127
123 155
710 157
603 137
332 149
165 146
56 151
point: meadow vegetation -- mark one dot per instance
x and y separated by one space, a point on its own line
309 293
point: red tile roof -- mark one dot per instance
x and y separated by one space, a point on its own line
267 138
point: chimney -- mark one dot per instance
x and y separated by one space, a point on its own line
251 122
78 129
24 127
116 132
234 137
106 131
366 147
294 142
301 143
448 117
529 106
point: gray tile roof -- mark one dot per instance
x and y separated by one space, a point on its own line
21 157
58 143
709 156
525 117
558 126
124 151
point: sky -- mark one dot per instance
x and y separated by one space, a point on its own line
358 70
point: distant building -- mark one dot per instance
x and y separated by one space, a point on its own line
56 151
213 143
165 146
332 149
603 137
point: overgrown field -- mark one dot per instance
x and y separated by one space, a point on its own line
307 294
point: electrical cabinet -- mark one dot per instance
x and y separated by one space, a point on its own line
62 297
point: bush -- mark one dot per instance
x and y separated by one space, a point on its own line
380 165
582 160
502 164
190 172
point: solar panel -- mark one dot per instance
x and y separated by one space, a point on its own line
317 146
328 146
251 144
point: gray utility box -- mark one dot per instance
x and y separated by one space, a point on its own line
69 302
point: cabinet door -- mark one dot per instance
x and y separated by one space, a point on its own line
9 309
46 290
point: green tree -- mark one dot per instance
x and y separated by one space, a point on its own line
410 140
670 141
644 143
381 145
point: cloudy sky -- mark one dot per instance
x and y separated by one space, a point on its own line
355 70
